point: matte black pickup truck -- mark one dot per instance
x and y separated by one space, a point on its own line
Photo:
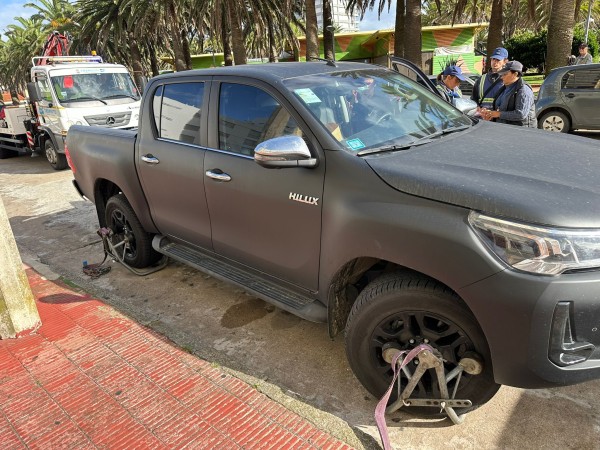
349 194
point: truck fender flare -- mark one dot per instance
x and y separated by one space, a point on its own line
47 133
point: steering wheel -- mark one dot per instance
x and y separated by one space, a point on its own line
383 118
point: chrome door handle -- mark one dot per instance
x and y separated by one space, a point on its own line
220 176
150 159
570 95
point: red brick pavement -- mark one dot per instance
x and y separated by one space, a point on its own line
92 378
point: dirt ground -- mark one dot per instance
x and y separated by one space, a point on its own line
292 359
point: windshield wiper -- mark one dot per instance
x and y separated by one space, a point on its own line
422 140
78 99
393 148
121 95
448 131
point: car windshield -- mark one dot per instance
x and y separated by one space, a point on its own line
102 87
376 109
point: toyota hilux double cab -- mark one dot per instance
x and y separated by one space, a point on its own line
349 194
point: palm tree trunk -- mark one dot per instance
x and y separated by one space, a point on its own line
312 32
225 25
153 59
560 33
328 44
14 96
495 30
272 48
237 37
412 32
178 52
399 28
185 46
136 62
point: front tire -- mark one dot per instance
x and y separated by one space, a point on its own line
404 310
58 161
121 219
556 121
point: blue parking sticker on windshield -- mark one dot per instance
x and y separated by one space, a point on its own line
355 144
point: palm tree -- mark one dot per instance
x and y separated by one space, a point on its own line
362 6
55 14
328 36
560 33
109 22
23 42
312 36
412 29
495 30
399 28
238 45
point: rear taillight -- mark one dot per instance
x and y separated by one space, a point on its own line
69 160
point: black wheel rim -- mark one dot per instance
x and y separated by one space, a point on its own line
122 230
407 329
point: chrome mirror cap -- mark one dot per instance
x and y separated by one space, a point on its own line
284 151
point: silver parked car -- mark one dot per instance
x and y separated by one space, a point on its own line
569 99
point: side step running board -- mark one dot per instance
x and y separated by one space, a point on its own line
303 306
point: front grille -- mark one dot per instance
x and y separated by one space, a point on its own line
109 120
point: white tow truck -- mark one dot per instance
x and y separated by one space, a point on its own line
65 91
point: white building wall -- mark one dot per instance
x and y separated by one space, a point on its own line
338 13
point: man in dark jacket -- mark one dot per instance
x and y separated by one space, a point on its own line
514 104
488 85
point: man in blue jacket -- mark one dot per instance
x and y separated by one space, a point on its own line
488 85
514 104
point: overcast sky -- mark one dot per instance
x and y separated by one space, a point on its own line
14 8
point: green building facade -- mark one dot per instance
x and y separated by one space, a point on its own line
440 44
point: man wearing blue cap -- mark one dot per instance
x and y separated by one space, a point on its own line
487 86
448 82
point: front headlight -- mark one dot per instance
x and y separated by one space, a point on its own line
538 249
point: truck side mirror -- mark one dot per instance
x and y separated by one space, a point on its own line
34 92
465 105
284 151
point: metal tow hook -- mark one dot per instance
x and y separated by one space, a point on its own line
428 359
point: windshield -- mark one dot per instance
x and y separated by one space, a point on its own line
375 108
103 87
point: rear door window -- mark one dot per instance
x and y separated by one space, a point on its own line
177 110
582 79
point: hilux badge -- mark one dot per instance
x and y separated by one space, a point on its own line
304 199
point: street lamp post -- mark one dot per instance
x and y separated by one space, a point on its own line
589 19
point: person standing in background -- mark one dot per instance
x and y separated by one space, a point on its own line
584 57
448 83
514 103
488 85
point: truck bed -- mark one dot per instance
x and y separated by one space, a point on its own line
107 150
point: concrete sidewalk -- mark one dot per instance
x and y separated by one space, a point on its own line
92 378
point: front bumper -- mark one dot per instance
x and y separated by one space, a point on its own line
542 331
